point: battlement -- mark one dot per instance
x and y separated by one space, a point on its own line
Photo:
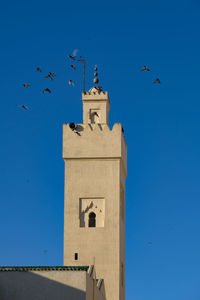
95 95
94 141
96 92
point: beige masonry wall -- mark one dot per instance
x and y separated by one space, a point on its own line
95 168
96 141
51 285
40 285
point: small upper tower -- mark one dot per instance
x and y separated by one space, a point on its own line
96 104
95 157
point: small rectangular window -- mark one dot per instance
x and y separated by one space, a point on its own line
76 256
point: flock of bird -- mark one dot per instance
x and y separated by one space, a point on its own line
52 75
145 68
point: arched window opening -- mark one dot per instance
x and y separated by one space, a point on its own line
92 220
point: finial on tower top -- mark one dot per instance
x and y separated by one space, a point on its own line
96 88
96 80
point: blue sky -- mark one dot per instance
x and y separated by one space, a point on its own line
161 124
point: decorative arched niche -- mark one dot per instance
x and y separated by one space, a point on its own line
92 212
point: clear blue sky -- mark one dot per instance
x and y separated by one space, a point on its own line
161 122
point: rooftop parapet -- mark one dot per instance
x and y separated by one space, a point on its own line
96 92
94 141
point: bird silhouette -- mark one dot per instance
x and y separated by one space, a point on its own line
26 85
73 56
73 67
145 69
46 90
48 76
70 82
52 74
149 243
157 80
24 107
38 69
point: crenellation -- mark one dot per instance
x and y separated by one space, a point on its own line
98 92
93 127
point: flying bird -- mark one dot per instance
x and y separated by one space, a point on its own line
70 82
157 80
23 106
145 69
149 243
52 74
48 76
46 90
38 69
73 56
26 85
73 67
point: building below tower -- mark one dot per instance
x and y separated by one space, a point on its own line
52 283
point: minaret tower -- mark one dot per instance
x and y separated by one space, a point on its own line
95 159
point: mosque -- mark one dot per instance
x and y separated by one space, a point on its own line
95 158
